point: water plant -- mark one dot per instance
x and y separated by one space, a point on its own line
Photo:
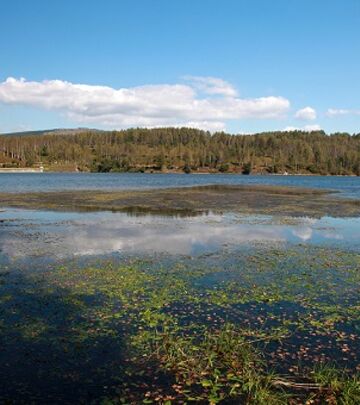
246 327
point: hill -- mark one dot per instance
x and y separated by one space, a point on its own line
58 131
183 149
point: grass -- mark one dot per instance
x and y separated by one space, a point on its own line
212 366
335 387
246 328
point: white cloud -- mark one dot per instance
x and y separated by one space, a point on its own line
314 127
212 85
306 114
212 126
144 106
307 128
332 112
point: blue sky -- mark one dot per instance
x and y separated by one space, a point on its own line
243 66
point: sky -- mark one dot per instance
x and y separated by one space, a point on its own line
241 66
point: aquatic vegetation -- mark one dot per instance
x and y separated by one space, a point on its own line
212 366
246 326
335 386
191 201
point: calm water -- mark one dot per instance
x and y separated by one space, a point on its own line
348 186
55 346
27 234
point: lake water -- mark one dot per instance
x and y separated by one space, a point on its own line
24 232
20 182
76 287
28 234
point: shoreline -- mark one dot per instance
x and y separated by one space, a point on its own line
21 170
25 170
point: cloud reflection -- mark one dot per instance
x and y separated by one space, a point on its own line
67 234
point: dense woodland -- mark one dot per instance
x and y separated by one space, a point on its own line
183 149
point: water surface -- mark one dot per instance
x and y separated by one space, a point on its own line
33 182
31 233
76 287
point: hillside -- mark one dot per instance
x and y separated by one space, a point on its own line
183 150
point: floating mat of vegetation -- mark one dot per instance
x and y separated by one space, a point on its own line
265 325
187 201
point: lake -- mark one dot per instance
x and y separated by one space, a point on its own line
102 307
20 182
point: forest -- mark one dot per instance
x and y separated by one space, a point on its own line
183 150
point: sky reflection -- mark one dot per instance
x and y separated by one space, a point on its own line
38 233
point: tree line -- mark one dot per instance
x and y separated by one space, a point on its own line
184 149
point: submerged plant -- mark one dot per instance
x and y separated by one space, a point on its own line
181 331
214 365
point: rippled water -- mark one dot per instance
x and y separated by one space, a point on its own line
347 186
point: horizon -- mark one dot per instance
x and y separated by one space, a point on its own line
85 129
244 68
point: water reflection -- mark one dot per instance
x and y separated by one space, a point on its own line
39 233
303 233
